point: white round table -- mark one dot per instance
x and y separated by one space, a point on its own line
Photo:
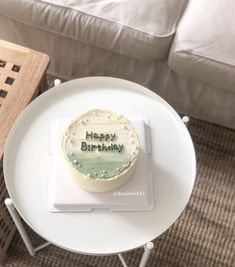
26 167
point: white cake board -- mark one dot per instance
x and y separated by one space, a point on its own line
65 195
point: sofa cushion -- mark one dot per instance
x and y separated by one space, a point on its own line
134 28
204 46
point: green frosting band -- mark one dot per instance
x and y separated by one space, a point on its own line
96 168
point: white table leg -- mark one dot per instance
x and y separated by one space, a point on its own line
16 218
19 225
122 260
147 250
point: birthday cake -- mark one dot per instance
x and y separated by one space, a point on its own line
101 148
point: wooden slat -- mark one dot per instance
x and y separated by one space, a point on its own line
12 52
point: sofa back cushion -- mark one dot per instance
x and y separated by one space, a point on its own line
140 29
204 45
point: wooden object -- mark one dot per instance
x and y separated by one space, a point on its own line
21 72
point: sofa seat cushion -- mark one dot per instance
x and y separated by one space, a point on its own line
134 28
204 46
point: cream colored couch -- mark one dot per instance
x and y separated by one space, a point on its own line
182 50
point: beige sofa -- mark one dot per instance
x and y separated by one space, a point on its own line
182 50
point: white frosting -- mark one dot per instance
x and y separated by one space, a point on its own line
85 142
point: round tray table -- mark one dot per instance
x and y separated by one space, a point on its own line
26 166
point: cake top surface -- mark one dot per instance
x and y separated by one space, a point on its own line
100 144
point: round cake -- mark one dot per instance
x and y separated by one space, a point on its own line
101 148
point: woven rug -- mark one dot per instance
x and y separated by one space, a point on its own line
204 235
